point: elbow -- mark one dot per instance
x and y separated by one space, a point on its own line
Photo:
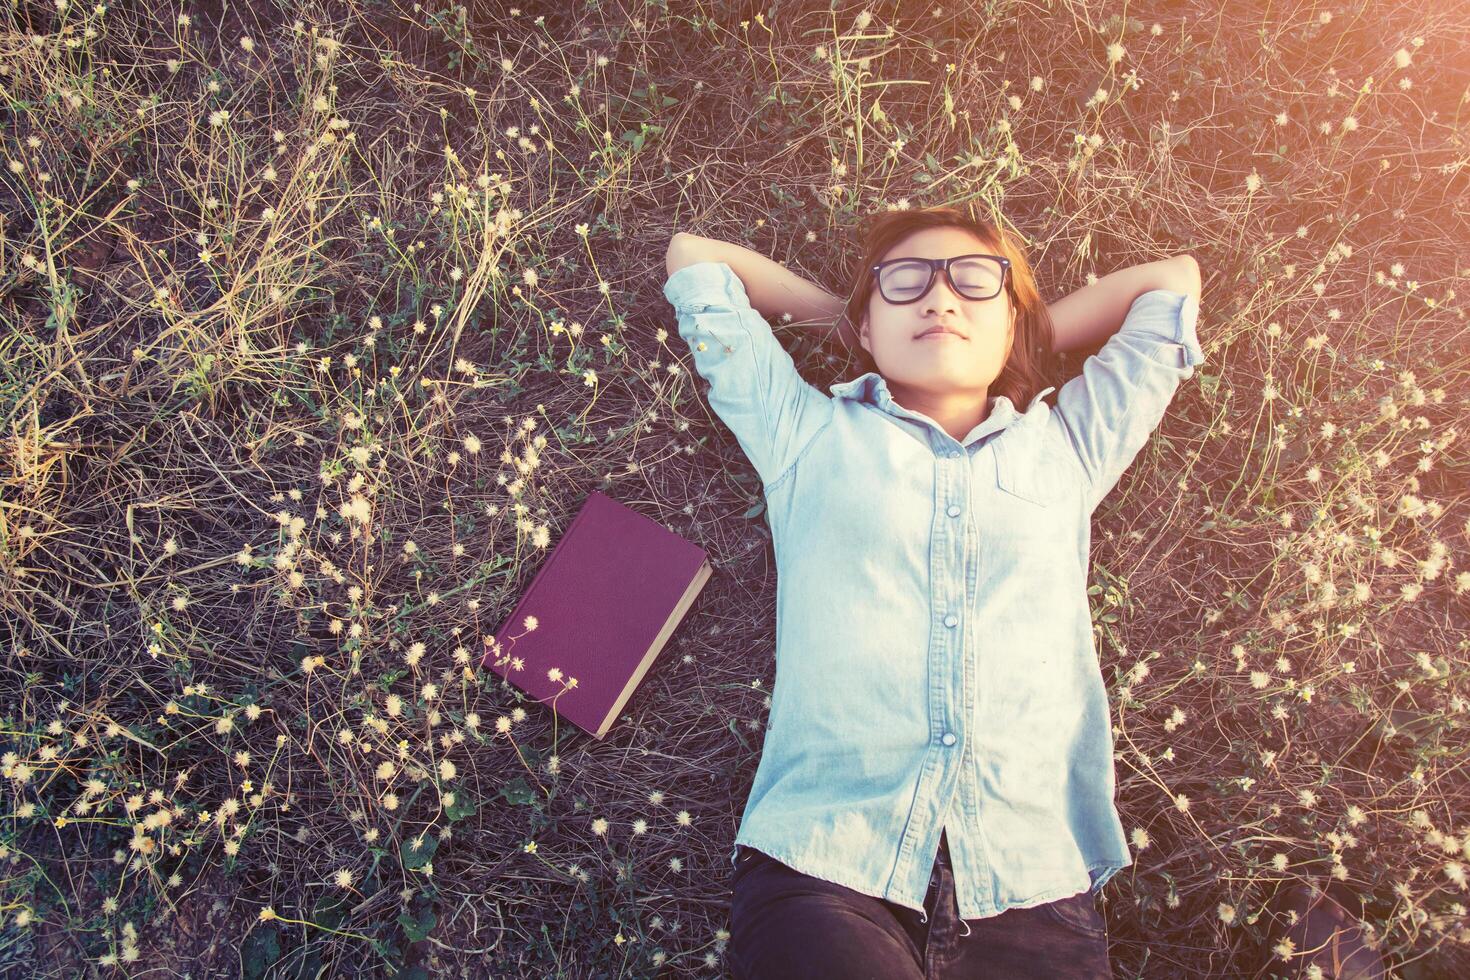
1186 269
682 251
1178 274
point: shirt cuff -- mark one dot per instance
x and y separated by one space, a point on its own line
1170 316
695 287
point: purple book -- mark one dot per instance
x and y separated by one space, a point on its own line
604 603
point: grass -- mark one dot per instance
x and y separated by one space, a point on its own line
318 322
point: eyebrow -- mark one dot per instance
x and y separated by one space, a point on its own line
898 258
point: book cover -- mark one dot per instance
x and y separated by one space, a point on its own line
603 605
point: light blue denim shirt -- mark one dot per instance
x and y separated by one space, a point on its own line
935 666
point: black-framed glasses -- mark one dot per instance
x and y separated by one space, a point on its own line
974 276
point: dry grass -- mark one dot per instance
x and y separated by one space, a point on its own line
317 331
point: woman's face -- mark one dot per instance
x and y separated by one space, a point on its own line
944 363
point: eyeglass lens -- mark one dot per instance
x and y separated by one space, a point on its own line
973 278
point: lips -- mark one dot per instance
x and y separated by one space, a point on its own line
941 328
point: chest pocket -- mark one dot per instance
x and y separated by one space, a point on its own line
1031 474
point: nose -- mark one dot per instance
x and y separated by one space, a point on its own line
941 296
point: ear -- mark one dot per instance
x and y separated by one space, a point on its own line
863 335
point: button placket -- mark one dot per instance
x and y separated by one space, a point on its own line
958 478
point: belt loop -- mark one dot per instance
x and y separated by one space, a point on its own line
967 927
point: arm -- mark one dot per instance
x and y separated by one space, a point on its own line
1124 390
773 289
1087 317
754 385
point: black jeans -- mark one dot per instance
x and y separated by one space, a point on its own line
787 924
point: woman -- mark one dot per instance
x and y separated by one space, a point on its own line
935 791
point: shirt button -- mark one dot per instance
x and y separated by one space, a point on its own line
951 619
954 510
948 738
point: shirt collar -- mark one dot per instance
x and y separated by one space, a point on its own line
872 388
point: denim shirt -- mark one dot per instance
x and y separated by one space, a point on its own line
935 665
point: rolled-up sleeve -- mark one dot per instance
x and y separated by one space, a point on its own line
1120 397
755 388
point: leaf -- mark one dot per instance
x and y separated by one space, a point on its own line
517 792
463 806
1417 970
328 911
417 930
754 511
260 951
418 851
1408 724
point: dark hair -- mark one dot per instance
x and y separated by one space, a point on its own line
1022 375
